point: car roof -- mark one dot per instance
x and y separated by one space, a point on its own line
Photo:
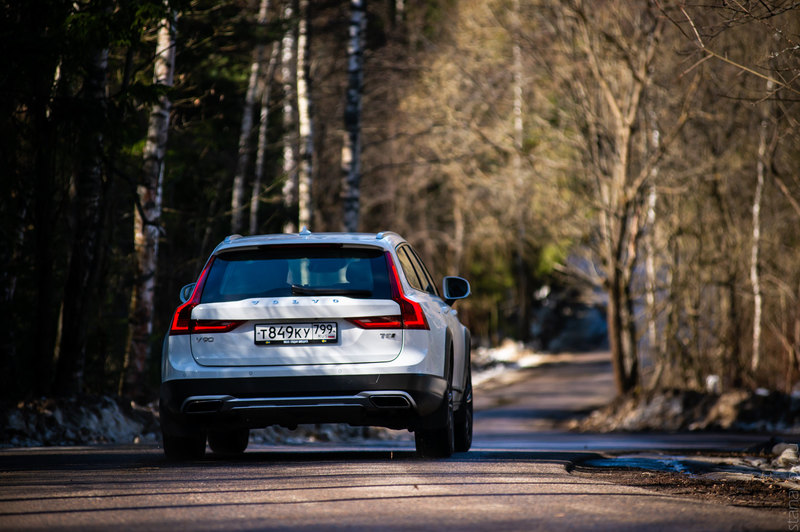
386 239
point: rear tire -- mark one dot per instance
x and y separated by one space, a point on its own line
438 442
184 447
230 442
463 418
435 438
180 442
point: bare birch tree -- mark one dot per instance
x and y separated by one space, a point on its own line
147 216
351 150
755 249
237 194
651 142
291 151
305 126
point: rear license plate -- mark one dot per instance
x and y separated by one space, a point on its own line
296 333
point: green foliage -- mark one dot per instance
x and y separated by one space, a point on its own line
552 255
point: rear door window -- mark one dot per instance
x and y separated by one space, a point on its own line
407 264
284 271
415 271
422 271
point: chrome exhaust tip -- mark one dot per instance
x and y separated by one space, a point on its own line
390 401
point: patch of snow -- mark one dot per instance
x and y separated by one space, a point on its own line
488 363
78 420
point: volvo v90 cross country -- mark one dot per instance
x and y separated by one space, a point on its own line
314 328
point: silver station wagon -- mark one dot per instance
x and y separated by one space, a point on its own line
316 328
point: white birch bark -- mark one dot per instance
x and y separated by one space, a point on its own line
290 119
147 215
237 195
351 150
650 256
755 278
304 177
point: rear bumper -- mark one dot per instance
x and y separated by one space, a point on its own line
393 401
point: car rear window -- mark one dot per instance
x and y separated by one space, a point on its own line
297 271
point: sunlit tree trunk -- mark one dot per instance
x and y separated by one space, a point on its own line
88 215
237 195
291 150
755 277
305 126
147 218
351 151
651 144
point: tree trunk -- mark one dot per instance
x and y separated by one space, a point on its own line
755 278
261 151
615 332
304 177
615 104
631 352
523 318
351 151
147 220
79 289
237 194
44 218
290 117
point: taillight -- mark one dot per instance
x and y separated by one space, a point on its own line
182 318
411 314
182 322
378 322
213 326
411 311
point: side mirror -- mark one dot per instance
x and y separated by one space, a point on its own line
186 292
455 288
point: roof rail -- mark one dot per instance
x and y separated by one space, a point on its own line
383 234
231 238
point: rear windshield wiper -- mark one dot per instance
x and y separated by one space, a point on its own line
308 291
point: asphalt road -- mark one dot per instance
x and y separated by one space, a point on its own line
516 478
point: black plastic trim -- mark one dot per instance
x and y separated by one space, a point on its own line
427 392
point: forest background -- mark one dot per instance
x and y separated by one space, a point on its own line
640 156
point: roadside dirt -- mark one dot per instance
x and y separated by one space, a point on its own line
746 493
574 393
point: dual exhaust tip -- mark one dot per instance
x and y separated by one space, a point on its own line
367 400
